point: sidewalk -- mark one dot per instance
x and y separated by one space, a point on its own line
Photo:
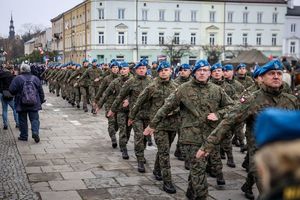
74 160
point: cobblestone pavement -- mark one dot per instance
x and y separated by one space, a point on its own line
75 161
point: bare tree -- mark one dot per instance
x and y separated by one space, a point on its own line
30 30
176 51
213 53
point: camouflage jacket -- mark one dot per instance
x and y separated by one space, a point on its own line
195 101
89 76
68 74
131 89
247 111
78 73
155 95
154 73
237 87
228 88
104 84
180 80
112 91
246 81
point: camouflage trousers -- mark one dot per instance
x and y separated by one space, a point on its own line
93 92
139 139
252 176
57 88
112 123
197 181
179 147
85 96
239 133
124 129
63 87
51 86
77 95
226 145
164 140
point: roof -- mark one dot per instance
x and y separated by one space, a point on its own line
293 11
30 41
250 57
248 1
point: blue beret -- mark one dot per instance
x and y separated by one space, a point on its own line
123 64
140 64
85 60
163 65
256 72
115 63
94 60
272 65
240 66
228 67
145 61
199 64
78 65
276 125
216 66
185 66
154 62
113 60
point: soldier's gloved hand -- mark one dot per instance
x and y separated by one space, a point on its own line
212 117
201 154
148 131
125 103
130 122
110 114
97 79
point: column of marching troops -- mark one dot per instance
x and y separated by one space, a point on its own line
151 100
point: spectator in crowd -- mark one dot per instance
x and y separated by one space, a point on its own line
7 99
278 158
29 96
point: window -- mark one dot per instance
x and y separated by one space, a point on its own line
101 13
144 15
274 39
229 16
121 13
193 15
120 58
121 38
259 17
212 16
144 38
293 28
176 38
229 38
292 47
161 38
275 16
177 15
245 17
101 37
193 38
258 39
212 39
245 39
161 15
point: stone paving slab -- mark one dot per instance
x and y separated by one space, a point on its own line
75 156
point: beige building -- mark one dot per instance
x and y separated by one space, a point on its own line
57 36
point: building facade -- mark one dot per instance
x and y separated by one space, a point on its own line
291 38
131 29
57 36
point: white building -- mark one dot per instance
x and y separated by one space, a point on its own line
29 46
131 29
44 40
57 36
291 40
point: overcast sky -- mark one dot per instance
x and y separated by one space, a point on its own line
35 12
31 11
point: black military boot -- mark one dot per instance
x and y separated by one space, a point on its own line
78 106
222 154
149 140
244 148
85 110
114 143
157 175
169 188
248 191
187 165
220 179
141 167
125 154
230 162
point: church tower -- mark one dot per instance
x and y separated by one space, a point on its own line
11 29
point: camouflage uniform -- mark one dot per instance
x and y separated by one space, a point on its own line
131 89
108 97
68 86
91 74
195 100
112 121
154 73
165 132
246 111
51 81
78 92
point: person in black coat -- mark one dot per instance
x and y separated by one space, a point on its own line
24 109
6 77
